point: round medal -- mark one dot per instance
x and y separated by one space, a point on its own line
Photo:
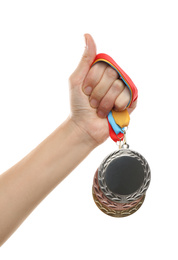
121 182
117 213
124 176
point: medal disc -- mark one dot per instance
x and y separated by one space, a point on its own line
124 176
107 202
117 213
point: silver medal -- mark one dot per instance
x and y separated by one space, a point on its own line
121 182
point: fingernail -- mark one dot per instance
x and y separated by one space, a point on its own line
101 114
94 103
88 90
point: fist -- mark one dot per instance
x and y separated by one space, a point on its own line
105 90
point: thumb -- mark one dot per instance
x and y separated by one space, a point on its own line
86 60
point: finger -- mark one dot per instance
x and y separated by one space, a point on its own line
86 61
93 77
107 103
109 76
122 100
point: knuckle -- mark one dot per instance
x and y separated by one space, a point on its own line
121 104
118 85
97 94
106 105
111 72
91 78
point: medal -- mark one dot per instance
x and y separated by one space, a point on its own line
122 179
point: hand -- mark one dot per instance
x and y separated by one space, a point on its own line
94 92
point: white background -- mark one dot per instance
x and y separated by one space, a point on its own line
41 43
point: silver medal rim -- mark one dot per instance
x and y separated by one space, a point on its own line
130 197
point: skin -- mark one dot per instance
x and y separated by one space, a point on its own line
93 93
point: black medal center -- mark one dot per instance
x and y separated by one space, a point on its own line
124 175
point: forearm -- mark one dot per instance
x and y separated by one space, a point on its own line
28 182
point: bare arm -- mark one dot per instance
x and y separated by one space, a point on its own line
27 183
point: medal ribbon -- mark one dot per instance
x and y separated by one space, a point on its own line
118 120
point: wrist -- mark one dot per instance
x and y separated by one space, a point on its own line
81 134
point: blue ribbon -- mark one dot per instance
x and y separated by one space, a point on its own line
117 129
